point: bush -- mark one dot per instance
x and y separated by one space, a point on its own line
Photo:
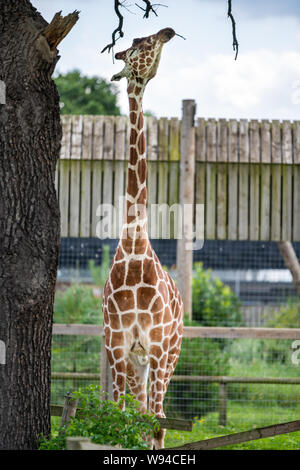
214 303
100 273
104 423
77 304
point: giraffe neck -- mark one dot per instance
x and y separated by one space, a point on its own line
135 223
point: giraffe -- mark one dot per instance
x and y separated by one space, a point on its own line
142 308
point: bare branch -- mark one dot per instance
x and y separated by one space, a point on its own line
150 8
119 30
235 43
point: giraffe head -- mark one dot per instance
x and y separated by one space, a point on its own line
142 58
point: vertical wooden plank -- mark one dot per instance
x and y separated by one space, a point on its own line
152 138
265 141
109 136
200 140
119 170
243 191
121 124
296 139
276 181
254 141
265 202
87 137
254 201
163 225
200 185
76 142
108 182
265 186
233 143
85 200
163 139
254 179
243 230
286 230
244 141
232 200
287 150
98 138
64 169
233 147
211 140
296 212
221 201
287 160
276 141
66 122
152 178
74 197
96 193
174 141
210 215
276 203
222 127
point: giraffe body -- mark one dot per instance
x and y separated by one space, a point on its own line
142 308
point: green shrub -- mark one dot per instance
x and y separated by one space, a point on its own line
104 423
100 273
77 304
214 303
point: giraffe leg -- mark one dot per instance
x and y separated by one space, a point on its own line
157 393
137 376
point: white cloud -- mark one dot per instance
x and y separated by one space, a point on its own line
261 84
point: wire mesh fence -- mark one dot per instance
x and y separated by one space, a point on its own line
234 284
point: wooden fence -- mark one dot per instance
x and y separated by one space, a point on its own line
246 174
188 332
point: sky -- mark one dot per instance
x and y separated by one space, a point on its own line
263 83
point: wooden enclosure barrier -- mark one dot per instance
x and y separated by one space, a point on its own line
246 173
188 332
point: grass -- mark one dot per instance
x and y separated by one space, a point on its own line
251 417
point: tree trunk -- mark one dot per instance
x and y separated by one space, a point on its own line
30 134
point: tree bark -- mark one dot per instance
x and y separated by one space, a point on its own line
30 135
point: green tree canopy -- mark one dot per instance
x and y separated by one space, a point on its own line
86 95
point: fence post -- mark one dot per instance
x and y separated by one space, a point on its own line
222 404
105 374
186 200
69 409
